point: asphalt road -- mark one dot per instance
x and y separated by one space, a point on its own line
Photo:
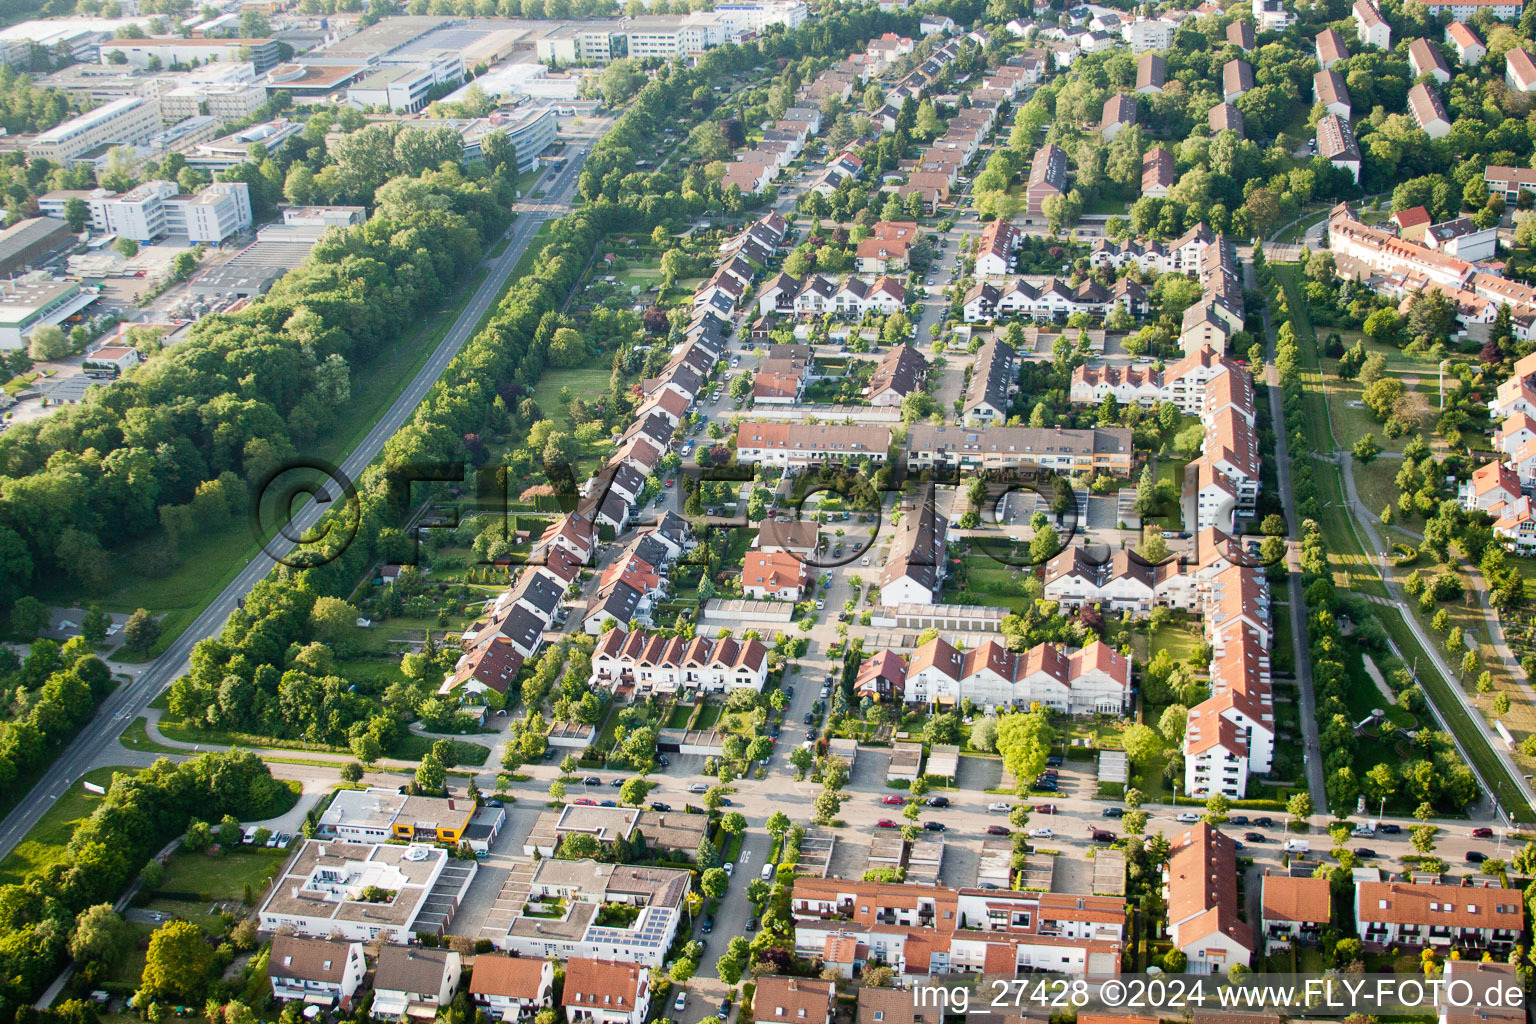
119 709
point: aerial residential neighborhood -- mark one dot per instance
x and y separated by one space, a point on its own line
781 511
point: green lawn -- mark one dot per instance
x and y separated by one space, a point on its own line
1181 640
588 382
222 877
44 844
136 737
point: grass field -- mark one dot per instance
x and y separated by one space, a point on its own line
225 876
44 844
589 382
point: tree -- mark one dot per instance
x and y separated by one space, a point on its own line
178 962
1299 806
1024 740
351 772
94 626
734 823
366 748
984 734
567 348
47 342
100 935
142 630
334 621
431 775
1141 744
1367 448
777 824
1153 547
76 213
633 791
1172 723
126 246
713 883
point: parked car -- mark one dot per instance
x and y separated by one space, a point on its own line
659 806
699 787
893 801
581 802
1389 829
708 925
1054 761
607 803
591 780
681 1001
999 808
725 1009
938 801
934 826
730 868
616 783
1476 856
1364 852
1263 823
1041 833
1255 837
751 924
999 830
886 823
809 718
1113 812
1237 819
1188 817
1047 787
1045 809
1481 832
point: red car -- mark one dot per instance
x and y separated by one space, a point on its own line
585 802
999 830
886 823
1481 832
671 481
892 801
1046 809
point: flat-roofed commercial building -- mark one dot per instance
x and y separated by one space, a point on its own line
24 305
120 123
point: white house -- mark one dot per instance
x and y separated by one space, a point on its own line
510 988
606 992
318 971
414 981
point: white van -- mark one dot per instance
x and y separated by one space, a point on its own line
767 873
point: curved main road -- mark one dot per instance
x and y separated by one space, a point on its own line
120 708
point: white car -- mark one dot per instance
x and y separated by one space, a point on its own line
821 605
730 869
699 787
1040 833
865 560
680 1002
1000 808
1188 817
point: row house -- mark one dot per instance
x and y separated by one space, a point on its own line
1292 909
511 988
922 931
1385 253
995 249
1157 175
1515 523
1047 178
629 589
1480 915
1057 449
660 664
1123 583
804 444
605 992
1181 256
1493 484
1051 299
774 576
899 373
1091 680
994 380
1130 385
846 166
917 562
1200 889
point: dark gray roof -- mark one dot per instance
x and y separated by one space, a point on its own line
539 591
618 602
991 376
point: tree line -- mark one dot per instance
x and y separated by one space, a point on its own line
140 813
173 447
